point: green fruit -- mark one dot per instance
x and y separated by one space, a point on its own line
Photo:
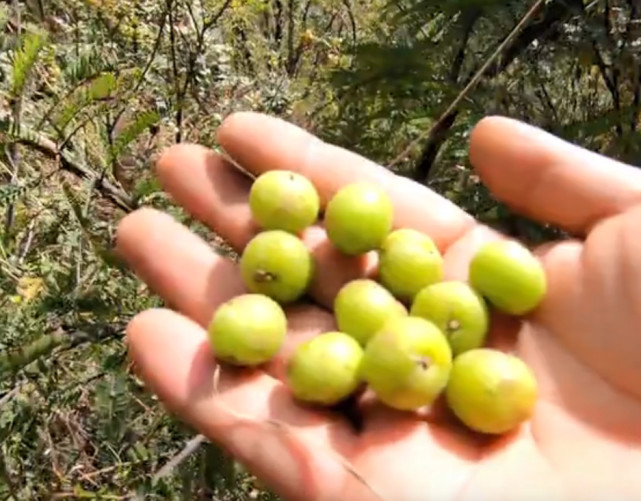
409 261
362 307
509 276
284 200
491 391
407 363
358 218
277 264
325 370
458 310
247 330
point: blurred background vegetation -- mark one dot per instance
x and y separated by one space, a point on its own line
92 90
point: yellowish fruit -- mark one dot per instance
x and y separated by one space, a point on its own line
409 261
509 276
358 218
458 310
247 330
284 200
491 391
325 370
277 264
362 306
407 363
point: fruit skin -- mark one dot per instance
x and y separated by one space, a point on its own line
362 307
409 261
491 391
247 330
284 200
458 310
277 264
325 370
407 363
509 276
358 218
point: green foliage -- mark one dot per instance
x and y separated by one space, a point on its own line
133 131
86 66
97 89
24 59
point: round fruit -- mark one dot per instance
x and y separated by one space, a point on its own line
409 261
284 200
509 276
358 218
277 264
491 391
458 310
325 369
247 330
362 307
407 363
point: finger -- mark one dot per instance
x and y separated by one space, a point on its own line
216 193
259 143
548 179
177 264
210 189
296 457
189 275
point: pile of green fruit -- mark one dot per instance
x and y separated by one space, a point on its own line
408 334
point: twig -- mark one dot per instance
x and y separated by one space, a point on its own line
28 241
8 396
187 451
352 20
208 24
13 154
475 79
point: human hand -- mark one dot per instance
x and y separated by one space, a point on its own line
584 342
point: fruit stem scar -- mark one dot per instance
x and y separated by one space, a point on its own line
423 362
264 276
453 325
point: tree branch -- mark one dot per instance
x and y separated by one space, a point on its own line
523 34
352 19
214 19
439 134
13 361
49 148
546 27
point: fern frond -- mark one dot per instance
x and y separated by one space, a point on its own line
99 88
87 65
133 131
24 59
10 131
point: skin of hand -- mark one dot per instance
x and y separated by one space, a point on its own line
584 342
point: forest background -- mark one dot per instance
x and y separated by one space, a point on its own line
92 90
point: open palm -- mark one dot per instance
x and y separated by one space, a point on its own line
584 342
